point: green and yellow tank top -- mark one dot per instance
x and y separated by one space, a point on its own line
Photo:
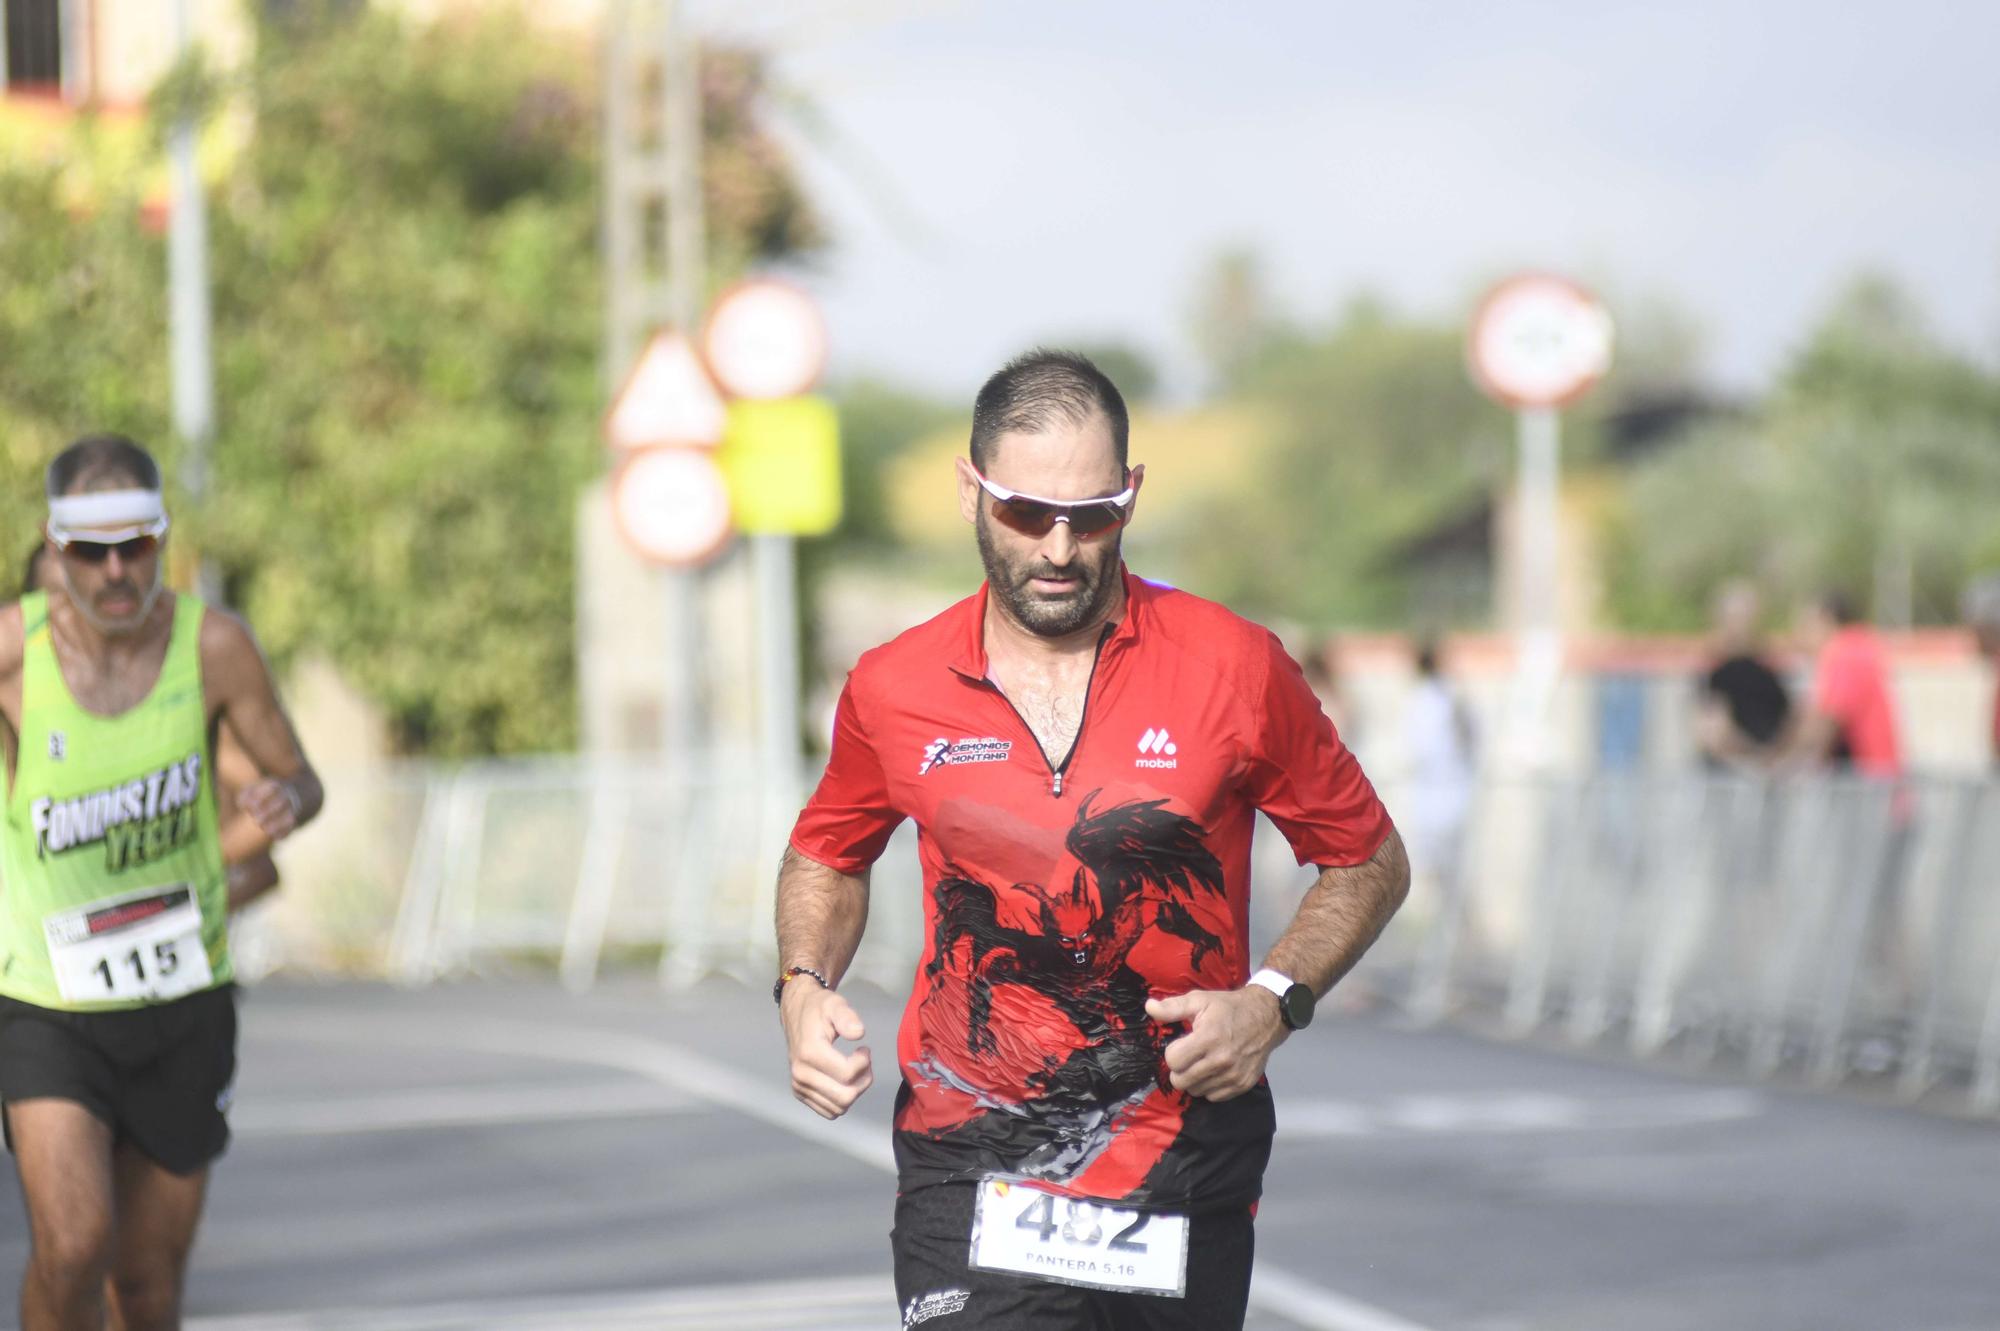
114 894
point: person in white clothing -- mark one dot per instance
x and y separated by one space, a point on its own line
1443 745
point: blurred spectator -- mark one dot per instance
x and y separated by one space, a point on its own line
1850 725
1851 720
1443 745
1321 664
1982 615
1744 706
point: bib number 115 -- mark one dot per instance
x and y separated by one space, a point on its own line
141 947
141 969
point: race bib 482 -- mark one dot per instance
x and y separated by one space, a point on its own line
1073 1242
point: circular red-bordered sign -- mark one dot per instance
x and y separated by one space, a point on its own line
671 505
1539 340
765 339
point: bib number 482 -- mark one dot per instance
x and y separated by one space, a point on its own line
1083 1224
1075 1241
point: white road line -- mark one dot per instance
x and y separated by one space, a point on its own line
1289 1296
1315 1306
668 1065
455 1107
1497 1112
838 1303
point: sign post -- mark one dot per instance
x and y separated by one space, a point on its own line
1538 342
671 504
765 342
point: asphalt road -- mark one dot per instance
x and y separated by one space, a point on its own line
508 1157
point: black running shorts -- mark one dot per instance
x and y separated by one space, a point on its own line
159 1076
938 1290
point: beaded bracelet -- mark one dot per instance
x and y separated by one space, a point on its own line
793 973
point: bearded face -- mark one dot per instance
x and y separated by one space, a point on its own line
1049 599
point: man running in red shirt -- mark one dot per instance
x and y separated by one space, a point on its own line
1083 1122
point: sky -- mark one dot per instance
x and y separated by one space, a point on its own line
997 173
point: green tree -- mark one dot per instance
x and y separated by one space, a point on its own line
1871 467
1379 435
84 305
1232 320
407 297
1135 373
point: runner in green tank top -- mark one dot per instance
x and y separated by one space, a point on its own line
117 1018
252 872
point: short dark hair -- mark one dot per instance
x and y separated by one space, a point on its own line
1839 607
101 455
1039 387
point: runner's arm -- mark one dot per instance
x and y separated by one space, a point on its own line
1232 1032
243 697
1341 917
821 913
250 879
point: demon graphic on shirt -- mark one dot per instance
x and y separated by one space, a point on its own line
1035 1002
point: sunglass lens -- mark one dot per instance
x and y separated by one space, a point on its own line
96 552
1095 520
1025 516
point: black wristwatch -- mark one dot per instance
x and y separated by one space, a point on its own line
1295 1000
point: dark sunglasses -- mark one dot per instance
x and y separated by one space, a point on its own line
1038 517
96 552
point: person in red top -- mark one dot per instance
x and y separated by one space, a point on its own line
1982 613
1851 719
1083 1122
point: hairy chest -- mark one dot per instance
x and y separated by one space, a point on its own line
1053 715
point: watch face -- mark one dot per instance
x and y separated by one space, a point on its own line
1298 1006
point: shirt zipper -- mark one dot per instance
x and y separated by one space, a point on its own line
1056 770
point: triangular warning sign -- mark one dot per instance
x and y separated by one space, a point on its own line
668 399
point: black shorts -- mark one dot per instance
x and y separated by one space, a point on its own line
159 1076
932 1244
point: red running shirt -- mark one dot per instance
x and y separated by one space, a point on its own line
1061 892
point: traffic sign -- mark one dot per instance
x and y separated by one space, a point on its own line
765 339
671 505
782 459
1539 341
668 399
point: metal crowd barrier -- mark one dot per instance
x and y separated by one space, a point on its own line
1821 928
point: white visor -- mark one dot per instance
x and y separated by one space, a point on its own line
108 516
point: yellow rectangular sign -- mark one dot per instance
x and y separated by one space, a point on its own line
782 460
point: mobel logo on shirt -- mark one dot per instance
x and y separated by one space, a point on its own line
138 821
942 752
1157 749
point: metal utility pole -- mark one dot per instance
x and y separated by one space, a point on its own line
654 247
188 301
1537 342
1538 634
